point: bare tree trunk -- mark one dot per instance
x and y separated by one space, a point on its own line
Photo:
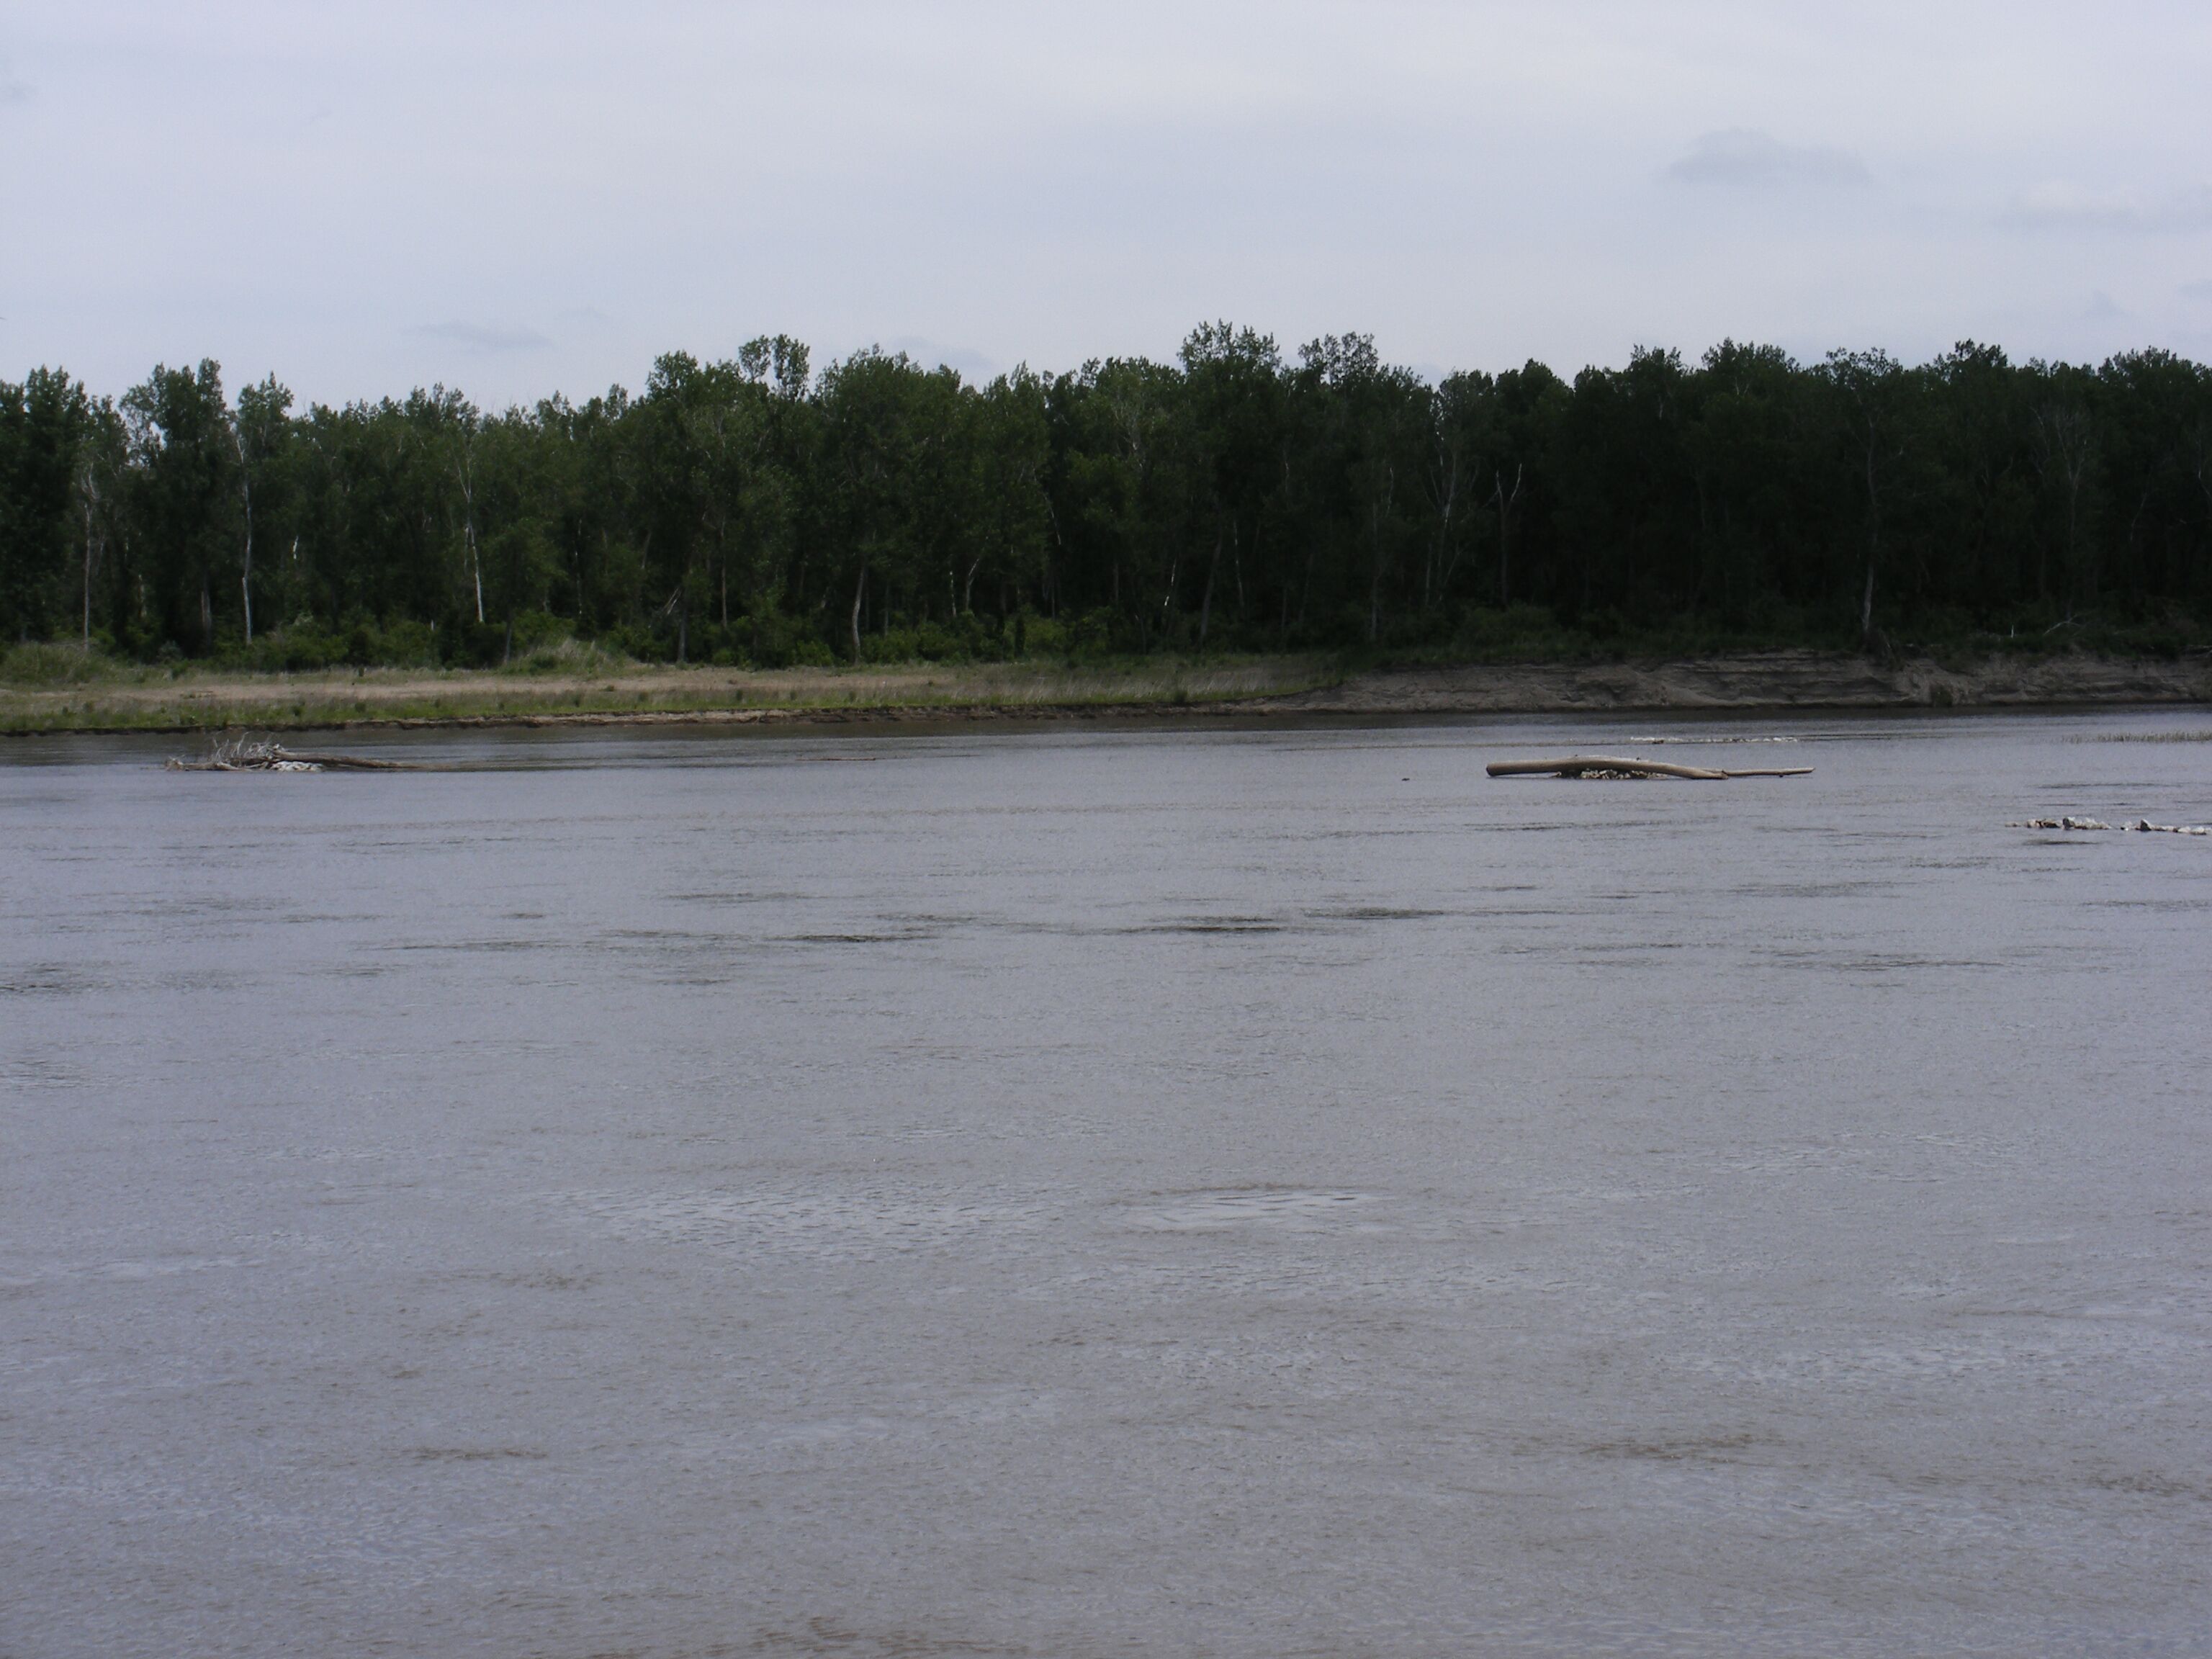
245 568
1376 508
2077 467
1873 548
89 498
1206 605
476 564
461 470
1374 574
859 591
245 572
2204 469
1050 577
1434 573
1504 523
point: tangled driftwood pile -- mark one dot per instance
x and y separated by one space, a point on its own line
2141 826
1613 766
237 754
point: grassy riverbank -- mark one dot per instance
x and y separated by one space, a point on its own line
51 688
51 694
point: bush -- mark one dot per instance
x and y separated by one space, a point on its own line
1034 635
891 645
53 665
1518 630
296 647
772 640
1095 634
566 656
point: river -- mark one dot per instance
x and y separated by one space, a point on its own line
1069 1191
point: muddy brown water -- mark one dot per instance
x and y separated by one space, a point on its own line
1078 1192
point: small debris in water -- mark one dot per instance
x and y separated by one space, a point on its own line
2141 826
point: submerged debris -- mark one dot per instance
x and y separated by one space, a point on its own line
249 754
2141 826
1613 766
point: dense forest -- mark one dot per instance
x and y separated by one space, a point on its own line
753 510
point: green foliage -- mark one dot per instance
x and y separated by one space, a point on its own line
753 513
51 432
41 665
303 647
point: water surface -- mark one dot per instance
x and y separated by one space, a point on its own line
1071 1191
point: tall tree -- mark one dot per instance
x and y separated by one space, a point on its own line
1876 406
262 433
44 424
185 461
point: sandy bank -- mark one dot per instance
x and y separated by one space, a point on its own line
1778 680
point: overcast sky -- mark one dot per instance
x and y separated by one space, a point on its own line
516 198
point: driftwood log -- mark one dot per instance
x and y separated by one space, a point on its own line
344 762
248 755
1614 766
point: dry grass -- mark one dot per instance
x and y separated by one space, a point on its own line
192 699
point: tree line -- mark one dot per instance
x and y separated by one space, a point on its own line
755 511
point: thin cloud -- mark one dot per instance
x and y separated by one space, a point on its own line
1744 156
2197 291
1064 182
479 337
971 363
2067 207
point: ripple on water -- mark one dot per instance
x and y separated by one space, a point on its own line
826 1226
1221 1208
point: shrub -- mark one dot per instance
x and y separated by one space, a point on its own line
1094 634
1034 636
53 665
567 656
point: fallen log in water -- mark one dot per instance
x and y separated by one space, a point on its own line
342 763
251 755
1614 766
